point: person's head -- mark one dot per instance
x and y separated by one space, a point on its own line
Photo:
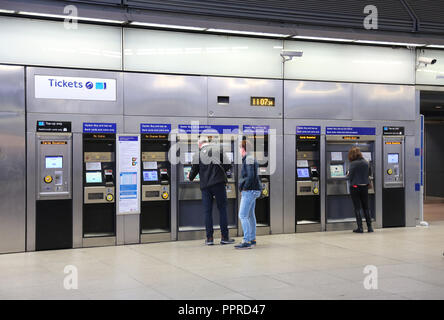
203 140
246 147
354 154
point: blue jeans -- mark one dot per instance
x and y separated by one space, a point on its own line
220 193
247 215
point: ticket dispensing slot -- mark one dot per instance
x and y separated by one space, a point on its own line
393 192
192 226
339 207
99 187
54 191
308 209
155 218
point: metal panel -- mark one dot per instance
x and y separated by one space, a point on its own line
239 92
73 106
411 176
30 191
165 95
317 100
383 102
132 228
12 160
77 187
289 183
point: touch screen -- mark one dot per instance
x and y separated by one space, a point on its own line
393 158
94 177
54 162
337 171
303 173
150 175
186 170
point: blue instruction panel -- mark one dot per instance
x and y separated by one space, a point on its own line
308 130
208 129
253 129
92 127
353 131
155 128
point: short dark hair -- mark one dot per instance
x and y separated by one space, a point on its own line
354 154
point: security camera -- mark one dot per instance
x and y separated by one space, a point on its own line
426 61
288 55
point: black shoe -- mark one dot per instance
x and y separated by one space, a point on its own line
209 241
226 241
369 229
243 245
358 230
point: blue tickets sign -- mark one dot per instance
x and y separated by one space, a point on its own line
90 127
350 131
208 129
155 128
252 129
308 130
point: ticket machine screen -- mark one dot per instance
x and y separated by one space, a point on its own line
150 175
94 177
185 174
393 158
303 173
337 171
54 162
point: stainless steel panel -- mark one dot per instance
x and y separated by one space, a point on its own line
99 242
289 156
394 178
12 177
131 228
383 102
239 92
12 88
120 229
377 183
317 100
312 185
155 237
277 185
263 231
76 120
309 227
323 174
190 192
30 191
73 106
412 176
77 190
165 95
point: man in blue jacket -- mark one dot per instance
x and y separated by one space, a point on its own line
250 187
211 164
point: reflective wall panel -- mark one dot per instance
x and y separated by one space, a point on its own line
432 74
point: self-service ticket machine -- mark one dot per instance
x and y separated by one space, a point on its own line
155 217
393 191
191 218
308 203
339 207
99 181
54 213
260 143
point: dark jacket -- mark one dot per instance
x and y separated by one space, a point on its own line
359 172
211 165
249 176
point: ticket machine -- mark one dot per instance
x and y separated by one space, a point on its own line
191 219
155 217
260 144
308 204
99 181
54 213
393 192
339 207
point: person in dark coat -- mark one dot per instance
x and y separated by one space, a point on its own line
212 165
358 175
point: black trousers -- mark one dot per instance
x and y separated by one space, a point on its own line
359 197
220 193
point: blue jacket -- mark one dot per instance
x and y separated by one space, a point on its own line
249 174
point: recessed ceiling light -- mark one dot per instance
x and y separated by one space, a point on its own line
438 46
48 15
6 11
323 39
264 34
389 43
438 107
168 26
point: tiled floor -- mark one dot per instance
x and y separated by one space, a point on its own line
409 261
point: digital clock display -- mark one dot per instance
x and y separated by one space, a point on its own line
262 101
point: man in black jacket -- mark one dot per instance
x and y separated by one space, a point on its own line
212 165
